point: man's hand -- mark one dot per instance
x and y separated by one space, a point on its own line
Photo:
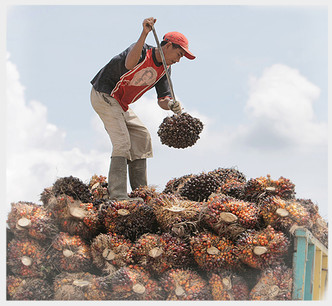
175 106
147 24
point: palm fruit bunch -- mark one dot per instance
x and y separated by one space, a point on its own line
180 131
232 188
212 252
29 219
159 253
72 186
147 193
28 289
70 253
260 249
76 217
185 285
176 215
27 258
262 186
228 286
129 218
284 214
133 282
109 251
229 216
275 283
174 185
79 286
98 187
199 187
225 175
319 226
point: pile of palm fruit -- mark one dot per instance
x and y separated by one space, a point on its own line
207 236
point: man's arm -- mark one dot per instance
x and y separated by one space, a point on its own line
135 53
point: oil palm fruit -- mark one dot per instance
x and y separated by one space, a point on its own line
176 215
109 251
27 258
284 214
158 253
212 252
275 283
264 248
28 289
199 187
147 193
79 286
98 187
180 131
185 285
174 185
228 174
262 186
129 218
133 282
29 219
70 253
319 225
232 188
229 216
76 217
228 286
74 187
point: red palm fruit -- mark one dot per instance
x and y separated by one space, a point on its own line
260 249
129 218
284 214
319 225
29 289
147 193
77 218
109 251
261 186
70 253
98 187
274 284
228 286
229 216
133 283
29 219
175 215
185 284
27 258
79 286
212 252
158 253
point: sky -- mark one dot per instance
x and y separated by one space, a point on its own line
258 83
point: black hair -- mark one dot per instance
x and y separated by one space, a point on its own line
175 46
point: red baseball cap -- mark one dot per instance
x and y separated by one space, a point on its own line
181 40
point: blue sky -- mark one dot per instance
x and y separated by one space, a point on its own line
259 83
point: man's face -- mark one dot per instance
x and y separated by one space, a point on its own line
172 55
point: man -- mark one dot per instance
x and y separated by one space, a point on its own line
121 82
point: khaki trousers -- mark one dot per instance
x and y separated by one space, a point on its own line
129 137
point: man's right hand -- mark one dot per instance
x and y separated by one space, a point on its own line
147 24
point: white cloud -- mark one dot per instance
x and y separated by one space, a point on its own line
280 107
35 155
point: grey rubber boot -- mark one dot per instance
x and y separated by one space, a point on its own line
117 178
137 173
